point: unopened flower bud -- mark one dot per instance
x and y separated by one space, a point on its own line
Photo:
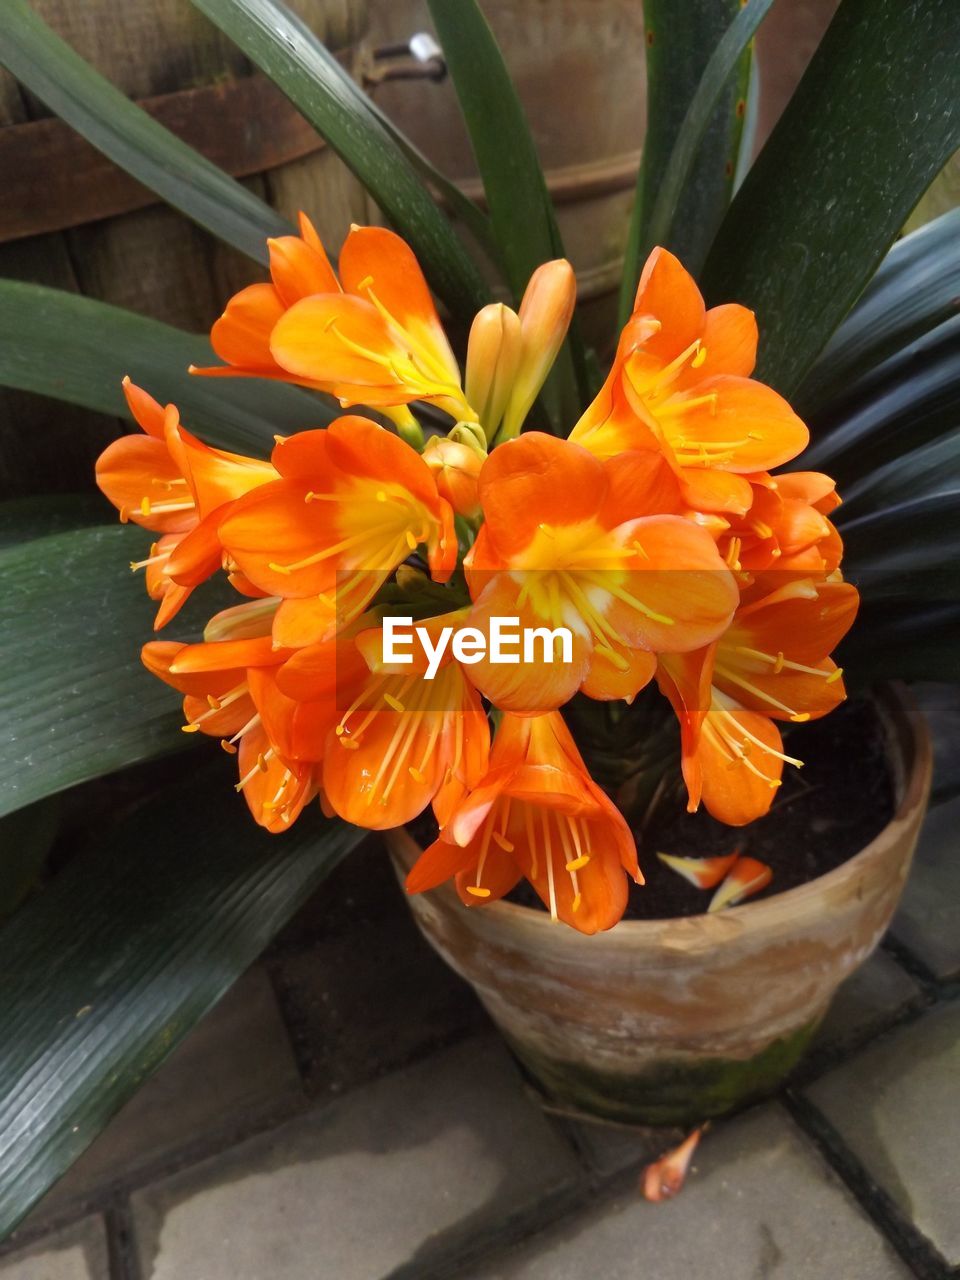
545 314
493 357
456 468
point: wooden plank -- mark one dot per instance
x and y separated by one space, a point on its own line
54 179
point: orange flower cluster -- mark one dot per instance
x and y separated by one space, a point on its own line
655 535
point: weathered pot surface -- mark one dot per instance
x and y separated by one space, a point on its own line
669 1021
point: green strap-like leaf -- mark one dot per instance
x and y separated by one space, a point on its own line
109 969
870 126
908 401
296 61
73 348
131 138
521 210
22 519
698 67
75 701
916 289
921 473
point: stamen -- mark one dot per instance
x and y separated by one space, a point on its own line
577 863
391 701
189 728
477 892
228 747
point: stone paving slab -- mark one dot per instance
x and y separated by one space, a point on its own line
236 1067
926 923
79 1253
760 1204
866 1003
397 1173
897 1106
411 1001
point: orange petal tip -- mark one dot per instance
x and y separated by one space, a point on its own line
666 1176
703 873
747 878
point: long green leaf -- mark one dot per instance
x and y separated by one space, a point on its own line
281 45
698 67
22 519
909 401
916 289
909 549
75 701
106 971
131 138
921 473
73 348
901 639
521 210
871 124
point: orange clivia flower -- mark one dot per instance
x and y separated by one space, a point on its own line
771 664
171 483
230 693
536 813
352 503
681 383
571 541
372 337
397 742
786 526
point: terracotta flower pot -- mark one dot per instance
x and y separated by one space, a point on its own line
668 1021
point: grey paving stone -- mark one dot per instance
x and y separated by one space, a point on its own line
926 923
235 1067
867 1002
355 946
896 1107
79 1253
396 1173
759 1204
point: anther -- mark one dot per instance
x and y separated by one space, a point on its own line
778 665
214 703
416 774
228 747
278 568
577 863
262 763
578 898
834 676
506 845
144 506
189 728
699 358
477 891
410 539
391 701
800 717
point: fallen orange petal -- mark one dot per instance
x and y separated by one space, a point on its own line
747 878
704 873
666 1176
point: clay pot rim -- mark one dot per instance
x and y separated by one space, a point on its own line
905 725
